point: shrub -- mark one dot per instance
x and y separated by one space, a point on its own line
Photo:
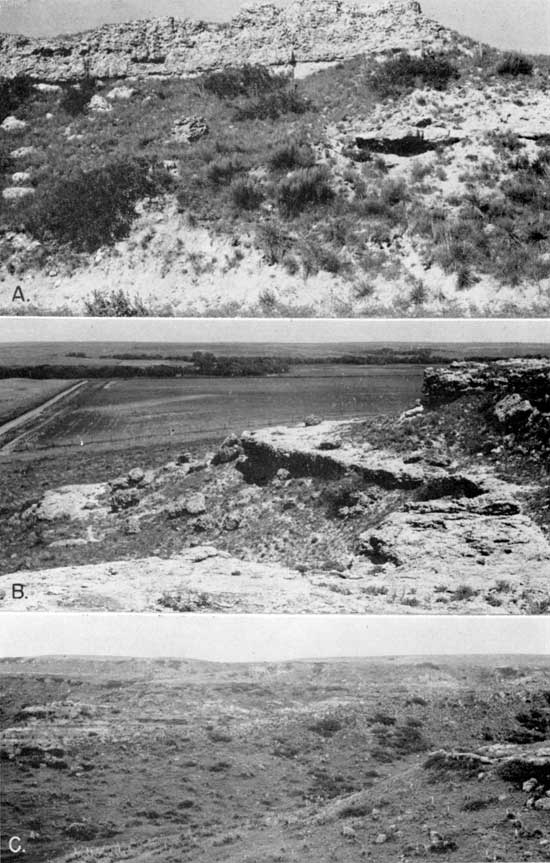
221 171
515 64
271 106
241 81
326 726
95 207
404 72
274 242
75 100
246 193
116 304
14 92
305 187
290 156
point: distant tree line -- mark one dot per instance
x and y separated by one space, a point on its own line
199 364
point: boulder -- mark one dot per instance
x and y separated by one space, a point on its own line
312 420
194 504
188 129
230 450
120 93
99 104
136 476
513 411
16 193
12 124
124 499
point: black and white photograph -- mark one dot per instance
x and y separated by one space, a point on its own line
274 431
237 740
333 158
302 475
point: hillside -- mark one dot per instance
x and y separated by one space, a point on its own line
169 760
319 159
441 508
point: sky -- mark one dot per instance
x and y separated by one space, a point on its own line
258 330
514 24
258 638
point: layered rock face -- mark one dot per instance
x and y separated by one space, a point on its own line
529 378
322 31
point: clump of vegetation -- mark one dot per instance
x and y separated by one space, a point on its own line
75 99
404 72
14 92
272 106
93 207
221 171
305 187
327 726
246 193
515 64
291 155
243 80
116 304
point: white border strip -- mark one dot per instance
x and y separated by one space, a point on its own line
283 330
256 638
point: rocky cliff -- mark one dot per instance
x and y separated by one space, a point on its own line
327 30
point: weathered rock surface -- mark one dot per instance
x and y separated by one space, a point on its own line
318 450
326 30
529 378
484 536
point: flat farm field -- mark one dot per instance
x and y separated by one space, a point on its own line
142 411
18 395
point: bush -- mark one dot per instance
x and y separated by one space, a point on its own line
306 187
14 92
271 106
241 81
403 72
75 100
290 156
246 193
96 207
221 171
326 726
117 304
515 64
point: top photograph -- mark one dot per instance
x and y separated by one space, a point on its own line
315 158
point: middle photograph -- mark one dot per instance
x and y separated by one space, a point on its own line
375 476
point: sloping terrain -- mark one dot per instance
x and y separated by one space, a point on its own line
150 760
443 508
407 177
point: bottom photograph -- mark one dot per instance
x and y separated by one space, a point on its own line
275 740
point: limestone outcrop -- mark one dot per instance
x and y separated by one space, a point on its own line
324 31
529 378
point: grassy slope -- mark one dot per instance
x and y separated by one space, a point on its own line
234 184
233 763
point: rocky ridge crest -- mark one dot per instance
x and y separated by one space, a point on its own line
320 32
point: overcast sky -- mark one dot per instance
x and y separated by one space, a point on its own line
518 24
247 638
23 329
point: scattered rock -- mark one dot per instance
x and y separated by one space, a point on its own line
189 129
99 104
194 504
513 411
120 93
230 450
124 499
16 193
12 124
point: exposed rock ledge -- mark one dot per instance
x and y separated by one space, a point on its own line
457 536
320 31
